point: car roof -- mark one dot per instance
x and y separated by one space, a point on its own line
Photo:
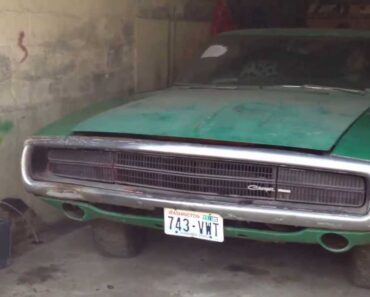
301 32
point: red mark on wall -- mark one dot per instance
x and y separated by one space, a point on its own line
21 45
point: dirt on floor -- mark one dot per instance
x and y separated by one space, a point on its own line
173 267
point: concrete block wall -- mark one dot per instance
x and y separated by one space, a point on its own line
168 35
59 56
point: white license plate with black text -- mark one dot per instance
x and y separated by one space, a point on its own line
194 224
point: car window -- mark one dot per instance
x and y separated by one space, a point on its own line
245 60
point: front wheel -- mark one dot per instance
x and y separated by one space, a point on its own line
360 266
114 239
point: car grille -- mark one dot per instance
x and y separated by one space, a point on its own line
214 179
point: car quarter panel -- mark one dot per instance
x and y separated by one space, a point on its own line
355 143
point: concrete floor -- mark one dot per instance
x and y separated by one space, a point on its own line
69 266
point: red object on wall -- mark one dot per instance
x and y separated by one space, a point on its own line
222 19
21 45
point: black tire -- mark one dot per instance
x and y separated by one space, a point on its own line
360 266
118 240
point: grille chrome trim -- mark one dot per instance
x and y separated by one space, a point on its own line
136 197
236 181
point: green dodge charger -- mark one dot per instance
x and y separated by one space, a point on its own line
266 137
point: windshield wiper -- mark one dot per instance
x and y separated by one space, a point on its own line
206 86
235 87
325 88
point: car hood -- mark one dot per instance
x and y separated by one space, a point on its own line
276 117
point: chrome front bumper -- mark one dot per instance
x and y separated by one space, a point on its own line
72 190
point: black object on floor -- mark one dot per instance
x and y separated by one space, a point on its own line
5 243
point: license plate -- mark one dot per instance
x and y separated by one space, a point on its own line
206 226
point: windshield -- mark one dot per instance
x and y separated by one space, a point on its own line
261 61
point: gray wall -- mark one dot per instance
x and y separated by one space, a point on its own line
61 55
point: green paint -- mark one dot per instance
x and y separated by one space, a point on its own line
356 142
307 236
5 128
302 33
64 127
277 117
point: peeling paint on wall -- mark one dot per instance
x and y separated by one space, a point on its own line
5 68
5 128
